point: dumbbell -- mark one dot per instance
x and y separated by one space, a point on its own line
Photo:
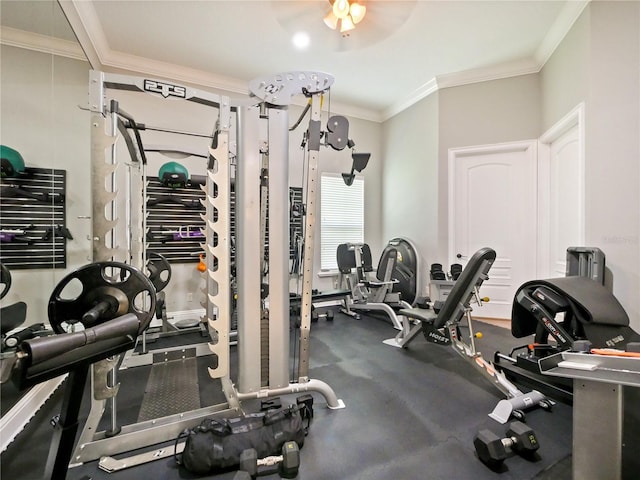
423 302
456 270
436 272
287 464
315 315
493 450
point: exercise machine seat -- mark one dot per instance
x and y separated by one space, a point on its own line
406 269
597 314
366 258
386 267
345 258
12 316
370 292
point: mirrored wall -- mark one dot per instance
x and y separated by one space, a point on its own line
45 202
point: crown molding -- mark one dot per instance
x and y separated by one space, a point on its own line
497 72
568 16
41 43
424 91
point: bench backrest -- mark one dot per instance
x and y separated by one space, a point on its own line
475 272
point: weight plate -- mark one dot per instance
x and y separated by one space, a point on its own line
159 270
98 282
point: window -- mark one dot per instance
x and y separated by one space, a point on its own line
341 216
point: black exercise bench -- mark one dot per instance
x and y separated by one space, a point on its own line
295 301
443 328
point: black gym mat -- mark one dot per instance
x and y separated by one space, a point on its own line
410 414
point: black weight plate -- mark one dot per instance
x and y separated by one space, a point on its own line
156 266
95 286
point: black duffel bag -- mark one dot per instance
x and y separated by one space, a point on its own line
216 444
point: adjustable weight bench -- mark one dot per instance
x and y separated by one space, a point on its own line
457 304
442 328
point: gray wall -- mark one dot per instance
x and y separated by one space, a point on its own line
599 63
478 114
416 144
410 178
39 102
613 151
565 76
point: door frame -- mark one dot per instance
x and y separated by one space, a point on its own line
575 117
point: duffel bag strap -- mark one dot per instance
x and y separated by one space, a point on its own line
184 434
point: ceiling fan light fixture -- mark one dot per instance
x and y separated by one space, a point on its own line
357 12
346 25
341 8
346 14
331 20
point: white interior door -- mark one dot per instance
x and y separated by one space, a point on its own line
561 184
493 203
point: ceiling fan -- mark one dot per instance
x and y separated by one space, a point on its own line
381 20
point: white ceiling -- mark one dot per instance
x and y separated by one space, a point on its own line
401 51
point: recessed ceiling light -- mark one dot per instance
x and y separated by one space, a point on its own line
301 40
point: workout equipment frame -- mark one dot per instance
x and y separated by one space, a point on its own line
275 94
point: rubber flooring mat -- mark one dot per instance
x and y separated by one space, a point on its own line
172 388
411 414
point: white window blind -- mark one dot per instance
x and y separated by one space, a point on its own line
342 216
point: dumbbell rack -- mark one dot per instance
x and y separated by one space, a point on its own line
598 409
